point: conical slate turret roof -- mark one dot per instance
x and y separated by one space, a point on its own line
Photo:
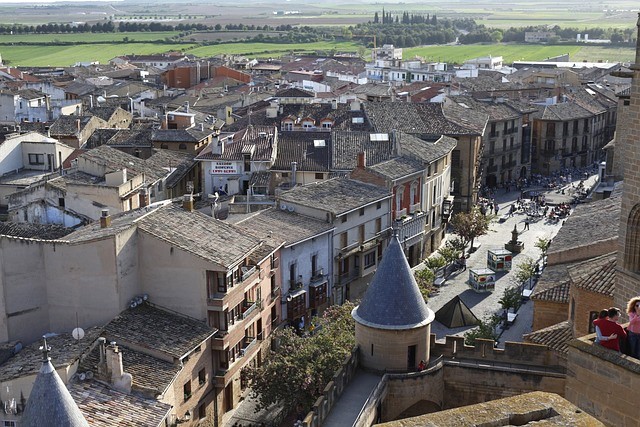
393 299
50 403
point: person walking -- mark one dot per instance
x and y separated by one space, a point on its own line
526 224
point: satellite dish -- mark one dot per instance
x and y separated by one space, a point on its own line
82 377
290 208
88 375
77 333
283 206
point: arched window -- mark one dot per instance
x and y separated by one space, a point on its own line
164 146
182 147
414 197
399 194
632 241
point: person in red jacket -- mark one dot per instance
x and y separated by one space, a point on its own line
609 327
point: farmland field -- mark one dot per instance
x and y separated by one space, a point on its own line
87 37
516 52
272 49
42 56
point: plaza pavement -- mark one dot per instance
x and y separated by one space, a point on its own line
486 303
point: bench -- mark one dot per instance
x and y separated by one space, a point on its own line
439 281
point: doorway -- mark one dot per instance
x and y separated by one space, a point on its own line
411 357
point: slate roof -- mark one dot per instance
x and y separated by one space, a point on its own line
120 138
65 350
199 234
398 167
337 195
424 119
104 113
30 94
556 337
299 147
263 138
148 372
34 231
193 135
564 111
496 111
180 164
426 150
589 223
346 146
159 330
79 88
597 274
393 299
50 403
278 227
105 407
119 223
294 93
68 125
114 160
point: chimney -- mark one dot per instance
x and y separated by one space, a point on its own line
78 125
124 175
362 160
105 219
334 104
201 127
187 202
119 379
294 169
102 363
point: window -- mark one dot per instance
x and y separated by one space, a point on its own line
202 411
314 265
493 129
504 145
285 174
378 225
61 202
551 130
492 147
370 259
287 126
319 175
343 240
292 273
361 233
318 295
379 205
216 283
36 159
361 211
344 218
186 388
182 147
326 125
202 376
247 163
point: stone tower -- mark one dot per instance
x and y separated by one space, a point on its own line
50 403
393 323
628 148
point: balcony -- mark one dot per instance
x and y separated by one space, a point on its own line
295 284
249 307
411 229
247 344
275 293
415 207
447 209
349 276
400 213
247 272
318 276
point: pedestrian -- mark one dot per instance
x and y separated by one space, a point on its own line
496 208
526 223
511 210
633 330
422 366
610 327
463 262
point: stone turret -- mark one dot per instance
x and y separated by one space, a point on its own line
393 322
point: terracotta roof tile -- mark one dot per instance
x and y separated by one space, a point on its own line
556 336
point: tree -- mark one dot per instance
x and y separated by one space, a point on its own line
486 329
525 270
469 225
299 369
376 19
449 252
512 298
543 244
425 278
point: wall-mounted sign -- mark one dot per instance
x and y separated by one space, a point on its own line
224 168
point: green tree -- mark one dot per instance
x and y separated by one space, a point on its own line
543 244
470 225
425 278
299 369
486 329
512 298
525 270
449 253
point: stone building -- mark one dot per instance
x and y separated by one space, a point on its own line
393 322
